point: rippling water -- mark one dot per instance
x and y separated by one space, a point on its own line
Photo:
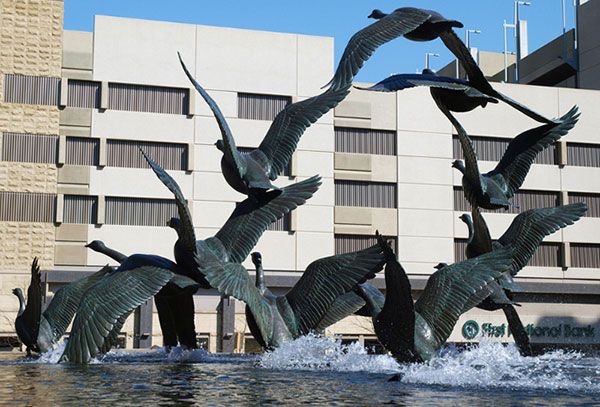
308 370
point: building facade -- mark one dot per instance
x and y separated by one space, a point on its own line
75 106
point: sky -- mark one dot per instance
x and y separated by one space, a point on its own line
341 19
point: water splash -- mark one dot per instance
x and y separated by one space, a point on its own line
487 365
53 355
491 364
314 352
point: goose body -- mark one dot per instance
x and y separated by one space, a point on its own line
274 320
492 190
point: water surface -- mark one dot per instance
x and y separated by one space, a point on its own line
307 371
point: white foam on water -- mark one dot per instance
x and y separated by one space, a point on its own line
158 355
53 355
313 352
491 364
487 365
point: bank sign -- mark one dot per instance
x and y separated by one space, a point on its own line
568 332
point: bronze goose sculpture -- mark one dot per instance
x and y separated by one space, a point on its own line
38 330
175 307
492 190
524 235
434 25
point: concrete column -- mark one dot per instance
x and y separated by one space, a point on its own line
142 325
191 107
190 157
101 215
565 254
62 150
64 93
564 198
562 153
102 152
60 207
226 325
104 96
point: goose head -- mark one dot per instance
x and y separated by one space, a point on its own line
174 223
459 165
377 14
440 266
220 146
465 217
256 259
96 245
18 292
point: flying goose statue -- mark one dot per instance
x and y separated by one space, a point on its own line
38 330
414 333
493 189
524 235
240 233
106 305
434 25
273 319
175 307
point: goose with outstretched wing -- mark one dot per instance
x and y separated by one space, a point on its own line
524 235
38 330
240 233
251 173
273 319
106 305
416 332
437 26
493 190
175 308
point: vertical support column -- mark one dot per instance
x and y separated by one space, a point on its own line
101 210
64 93
62 150
142 325
60 207
191 105
103 96
102 148
226 325
190 157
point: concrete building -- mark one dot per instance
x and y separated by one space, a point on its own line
74 106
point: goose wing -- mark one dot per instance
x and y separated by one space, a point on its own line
529 228
65 302
326 279
187 236
457 288
522 150
103 308
251 218
342 307
233 279
230 150
33 309
281 140
477 78
411 80
361 45
482 241
471 168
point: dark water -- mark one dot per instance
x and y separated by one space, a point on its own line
312 371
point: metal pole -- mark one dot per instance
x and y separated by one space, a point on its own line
518 36
505 53
427 55
564 17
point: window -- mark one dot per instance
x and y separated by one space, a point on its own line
125 153
460 245
29 148
282 224
365 141
493 148
84 94
592 201
33 90
365 194
82 151
80 209
142 98
585 255
27 207
583 155
139 211
523 201
261 107
352 243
